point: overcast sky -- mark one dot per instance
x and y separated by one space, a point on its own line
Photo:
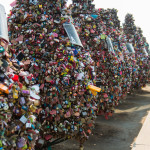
139 8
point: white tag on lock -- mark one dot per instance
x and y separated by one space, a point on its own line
34 95
23 119
28 125
80 76
36 90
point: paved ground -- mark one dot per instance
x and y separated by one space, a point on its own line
142 141
120 131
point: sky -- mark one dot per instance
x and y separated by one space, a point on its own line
139 8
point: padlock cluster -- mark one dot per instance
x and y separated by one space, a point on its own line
63 67
119 68
51 77
135 36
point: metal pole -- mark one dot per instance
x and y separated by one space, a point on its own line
3 24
